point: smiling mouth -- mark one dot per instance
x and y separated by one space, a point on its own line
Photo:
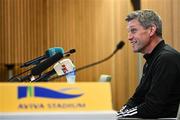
133 43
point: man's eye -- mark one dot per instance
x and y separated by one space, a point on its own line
133 30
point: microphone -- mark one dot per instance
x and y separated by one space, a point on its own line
50 52
44 64
37 70
60 68
66 66
58 71
68 53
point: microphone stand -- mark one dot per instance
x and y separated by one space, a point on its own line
44 77
15 77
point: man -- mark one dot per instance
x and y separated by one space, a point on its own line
158 94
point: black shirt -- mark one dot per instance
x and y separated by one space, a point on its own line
158 94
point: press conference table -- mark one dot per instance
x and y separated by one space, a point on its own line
48 101
95 115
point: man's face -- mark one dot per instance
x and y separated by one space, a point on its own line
138 36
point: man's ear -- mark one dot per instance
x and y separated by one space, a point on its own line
153 29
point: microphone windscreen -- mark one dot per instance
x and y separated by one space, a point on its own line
52 51
120 45
72 51
46 64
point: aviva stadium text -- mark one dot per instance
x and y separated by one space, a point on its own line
51 106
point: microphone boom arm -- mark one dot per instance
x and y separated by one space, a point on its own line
95 63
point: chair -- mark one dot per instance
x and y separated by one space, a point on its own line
178 113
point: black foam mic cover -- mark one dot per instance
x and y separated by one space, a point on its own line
37 70
120 45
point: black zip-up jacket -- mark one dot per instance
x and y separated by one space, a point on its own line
158 94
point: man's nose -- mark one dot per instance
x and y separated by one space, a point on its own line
130 36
